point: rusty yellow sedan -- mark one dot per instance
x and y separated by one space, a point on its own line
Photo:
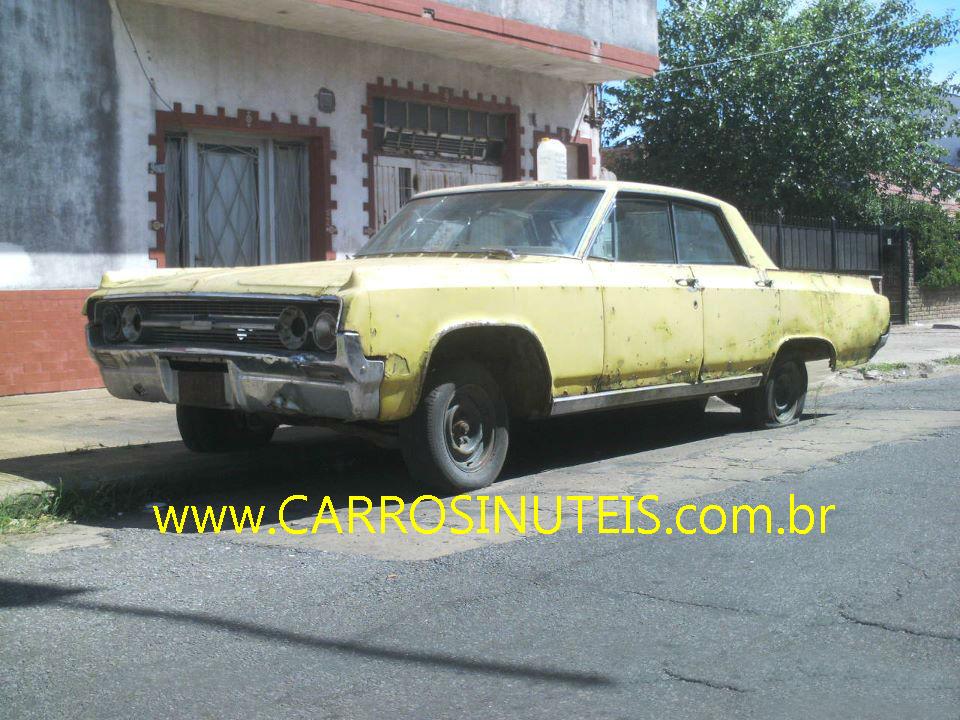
479 305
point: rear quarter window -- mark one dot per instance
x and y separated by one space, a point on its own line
701 239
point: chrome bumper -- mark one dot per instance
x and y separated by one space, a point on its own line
345 387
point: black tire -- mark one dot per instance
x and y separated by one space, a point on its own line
458 437
779 401
206 430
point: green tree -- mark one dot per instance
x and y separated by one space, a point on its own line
816 129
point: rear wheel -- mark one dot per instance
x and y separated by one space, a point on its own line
214 430
457 439
780 400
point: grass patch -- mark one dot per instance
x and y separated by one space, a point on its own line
952 360
30 512
884 367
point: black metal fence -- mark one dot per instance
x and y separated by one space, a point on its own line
804 243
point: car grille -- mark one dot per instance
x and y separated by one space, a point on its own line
231 322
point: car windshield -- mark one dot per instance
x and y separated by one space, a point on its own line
521 222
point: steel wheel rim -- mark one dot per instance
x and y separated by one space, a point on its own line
786 390
468 424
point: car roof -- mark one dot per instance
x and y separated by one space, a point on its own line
599 185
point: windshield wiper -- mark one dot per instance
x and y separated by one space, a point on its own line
505 253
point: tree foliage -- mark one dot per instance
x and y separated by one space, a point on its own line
813 130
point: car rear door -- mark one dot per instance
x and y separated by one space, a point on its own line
653 325
741 313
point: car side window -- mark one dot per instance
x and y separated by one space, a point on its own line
700 239
637 230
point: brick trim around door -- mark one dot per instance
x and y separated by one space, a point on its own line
249 122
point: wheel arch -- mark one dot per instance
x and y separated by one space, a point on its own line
809 348
512 352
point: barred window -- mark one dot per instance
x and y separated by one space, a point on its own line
412 128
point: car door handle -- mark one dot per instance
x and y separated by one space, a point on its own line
764 283
688 282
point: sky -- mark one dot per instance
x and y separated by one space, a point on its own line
945 60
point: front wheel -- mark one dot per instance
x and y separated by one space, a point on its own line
780 400
212 430
457 439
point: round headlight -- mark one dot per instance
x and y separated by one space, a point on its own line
110 322
325 331
292 328
131 323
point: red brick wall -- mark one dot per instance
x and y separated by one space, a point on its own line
928 305
42 343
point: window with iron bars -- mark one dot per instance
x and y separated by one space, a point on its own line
413 128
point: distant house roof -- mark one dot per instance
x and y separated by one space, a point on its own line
951 143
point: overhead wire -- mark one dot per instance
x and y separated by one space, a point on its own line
744 58
136 52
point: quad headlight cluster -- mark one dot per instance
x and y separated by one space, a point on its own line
126 324
296 327
293 328
325 331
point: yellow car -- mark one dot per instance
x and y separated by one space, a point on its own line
480 304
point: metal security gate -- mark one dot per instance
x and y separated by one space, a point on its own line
229 227
291 191
393 185
232 201
895 271
397 179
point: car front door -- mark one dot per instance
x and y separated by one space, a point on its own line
653 325
741 313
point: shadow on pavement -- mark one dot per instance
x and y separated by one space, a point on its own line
18 594
315 462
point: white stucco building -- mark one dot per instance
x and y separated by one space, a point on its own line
232 132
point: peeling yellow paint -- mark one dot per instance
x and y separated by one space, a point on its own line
396 366
601 325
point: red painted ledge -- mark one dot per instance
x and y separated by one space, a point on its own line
478 24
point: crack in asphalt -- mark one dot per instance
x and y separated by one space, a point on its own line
689 603
716 685
898 628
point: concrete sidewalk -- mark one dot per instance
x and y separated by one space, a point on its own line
87 437
920 344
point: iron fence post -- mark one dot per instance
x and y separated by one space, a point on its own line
780 238
905 278
833 243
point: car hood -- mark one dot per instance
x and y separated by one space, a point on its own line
326 278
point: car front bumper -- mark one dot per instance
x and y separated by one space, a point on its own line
343 387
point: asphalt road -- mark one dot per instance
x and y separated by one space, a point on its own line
863 622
